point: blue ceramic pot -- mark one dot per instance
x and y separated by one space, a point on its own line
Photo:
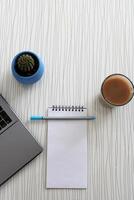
32 78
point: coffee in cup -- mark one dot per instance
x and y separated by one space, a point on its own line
117 90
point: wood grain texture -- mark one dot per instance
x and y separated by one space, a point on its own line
81 42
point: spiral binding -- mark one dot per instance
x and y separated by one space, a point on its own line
67 108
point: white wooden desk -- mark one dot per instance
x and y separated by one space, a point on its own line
81 41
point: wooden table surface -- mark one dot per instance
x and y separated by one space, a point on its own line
81 42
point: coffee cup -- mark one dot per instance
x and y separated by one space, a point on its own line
117 90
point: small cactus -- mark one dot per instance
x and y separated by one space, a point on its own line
25 63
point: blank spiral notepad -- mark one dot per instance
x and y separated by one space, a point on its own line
67 149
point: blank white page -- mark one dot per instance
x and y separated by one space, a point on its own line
67 151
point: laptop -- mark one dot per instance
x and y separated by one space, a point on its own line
17 146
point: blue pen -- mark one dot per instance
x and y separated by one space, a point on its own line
63 118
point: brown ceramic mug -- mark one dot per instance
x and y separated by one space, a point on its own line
117 90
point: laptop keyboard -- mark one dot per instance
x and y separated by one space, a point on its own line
4 119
